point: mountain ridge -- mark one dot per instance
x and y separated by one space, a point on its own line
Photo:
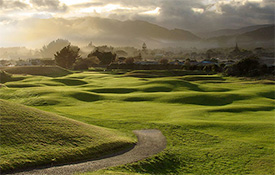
228 32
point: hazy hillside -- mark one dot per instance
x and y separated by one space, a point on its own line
101 31
228 32
263 37
262 34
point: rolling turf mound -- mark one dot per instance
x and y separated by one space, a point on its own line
6 77
213 124
51 71
30 137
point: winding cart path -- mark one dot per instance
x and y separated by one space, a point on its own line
150 142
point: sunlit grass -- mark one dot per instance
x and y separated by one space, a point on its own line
30 137
213 124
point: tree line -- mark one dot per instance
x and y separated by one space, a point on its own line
69 58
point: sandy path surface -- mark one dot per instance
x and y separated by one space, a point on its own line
150 142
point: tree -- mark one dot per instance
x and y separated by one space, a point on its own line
105 58
245 67
85 63
129 60
54 46
67 56
163 61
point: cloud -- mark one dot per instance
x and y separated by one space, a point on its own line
215 15
49 5
13 4
193 15
87 4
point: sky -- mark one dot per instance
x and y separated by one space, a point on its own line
193 15
186 14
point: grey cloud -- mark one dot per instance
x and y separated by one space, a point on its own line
173 13
88 4
13 4
133 3
20 5
49 5
179 13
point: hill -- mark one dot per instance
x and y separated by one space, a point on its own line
102 31
213 124
262 37
30 137
262 34
51 71
228 32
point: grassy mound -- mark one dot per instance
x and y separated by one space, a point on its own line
213 124
51 71
30 137
6 77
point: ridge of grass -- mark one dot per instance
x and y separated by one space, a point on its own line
51 71
213 124
30 137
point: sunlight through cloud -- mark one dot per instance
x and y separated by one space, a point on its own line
156 11
73 2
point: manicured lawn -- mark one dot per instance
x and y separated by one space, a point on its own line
213 124
30 137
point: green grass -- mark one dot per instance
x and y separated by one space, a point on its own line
6 77
52 71
30 137
213 124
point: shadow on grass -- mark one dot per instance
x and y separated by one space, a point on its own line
179 83
157 89
270 95
70 82
204 99
244 109
161 73
50 71
203 78
86 97
114 90
22 85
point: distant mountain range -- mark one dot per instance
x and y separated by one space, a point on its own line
103 31
228 32
260 37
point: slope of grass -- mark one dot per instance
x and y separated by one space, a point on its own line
52 71
6 77
213 124
30 137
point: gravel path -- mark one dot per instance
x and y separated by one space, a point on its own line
150 142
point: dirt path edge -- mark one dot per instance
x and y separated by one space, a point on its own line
150 142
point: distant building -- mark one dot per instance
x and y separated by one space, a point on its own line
237 50
147 63
144 47
205 63
35 61
23 63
